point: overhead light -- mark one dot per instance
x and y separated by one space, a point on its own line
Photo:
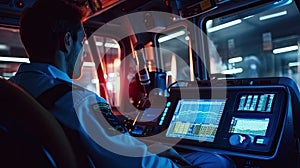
108 45
285 49
248 17
98 43
14 59
111 45
171 36
294 64
89 64
273 15
235 59
225 25
209 23
3 47
233 71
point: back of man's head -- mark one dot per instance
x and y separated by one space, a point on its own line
43 25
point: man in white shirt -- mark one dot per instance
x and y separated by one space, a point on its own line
53 36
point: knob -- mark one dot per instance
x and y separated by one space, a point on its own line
239 140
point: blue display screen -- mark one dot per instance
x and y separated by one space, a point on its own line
196 119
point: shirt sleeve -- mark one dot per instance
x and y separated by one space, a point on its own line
107 143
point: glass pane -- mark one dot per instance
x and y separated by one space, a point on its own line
109 54
256 43
11 52
89 78
175 55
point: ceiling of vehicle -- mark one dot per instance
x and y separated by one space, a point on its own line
10 11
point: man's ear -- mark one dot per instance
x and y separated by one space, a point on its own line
67 42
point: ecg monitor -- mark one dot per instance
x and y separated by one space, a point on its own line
249 126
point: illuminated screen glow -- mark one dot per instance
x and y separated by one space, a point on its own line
150 115
196 119
260 103
249 126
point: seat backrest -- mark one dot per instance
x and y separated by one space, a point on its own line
29 133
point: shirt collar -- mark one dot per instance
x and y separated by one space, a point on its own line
46 69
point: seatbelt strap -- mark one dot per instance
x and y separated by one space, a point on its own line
48 99
50 96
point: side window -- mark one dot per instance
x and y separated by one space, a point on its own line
12 52
108 53
89 78
255 43
175 56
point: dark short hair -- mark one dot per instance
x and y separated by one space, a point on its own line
43 23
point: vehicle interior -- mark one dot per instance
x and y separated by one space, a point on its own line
200 75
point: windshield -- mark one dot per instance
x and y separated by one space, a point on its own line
255 43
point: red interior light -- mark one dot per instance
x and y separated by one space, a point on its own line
167 3
20 4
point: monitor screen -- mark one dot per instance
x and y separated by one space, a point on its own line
150 114
196 119
256 102
249 126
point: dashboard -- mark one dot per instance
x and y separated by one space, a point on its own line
242 120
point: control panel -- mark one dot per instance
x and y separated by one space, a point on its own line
236 118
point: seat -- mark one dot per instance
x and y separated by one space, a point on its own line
29 135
